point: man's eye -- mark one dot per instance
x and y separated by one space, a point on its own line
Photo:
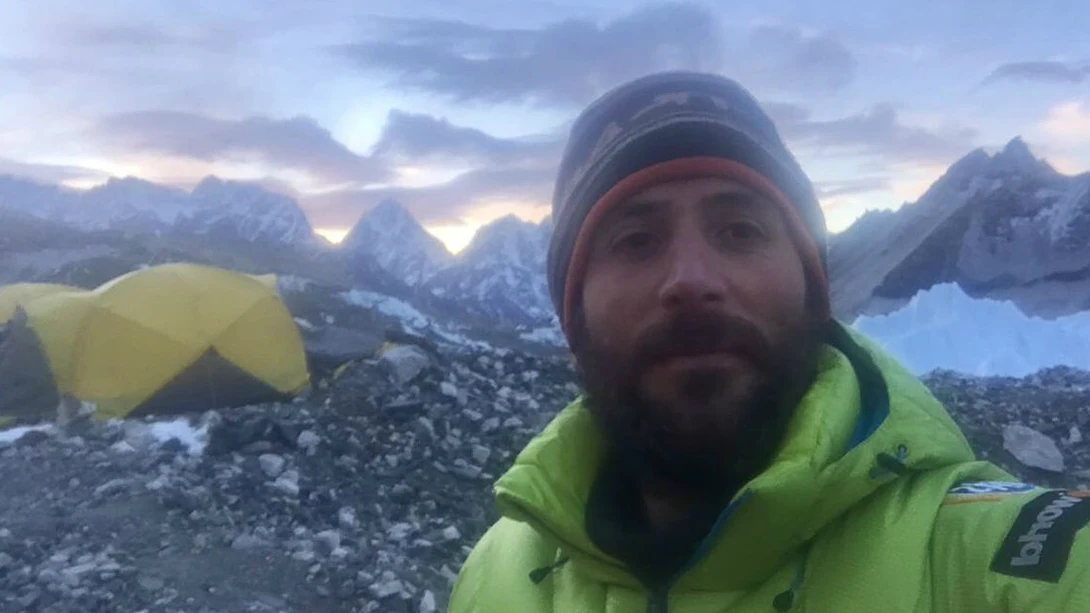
634 242
741 231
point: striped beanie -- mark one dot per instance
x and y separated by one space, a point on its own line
667 127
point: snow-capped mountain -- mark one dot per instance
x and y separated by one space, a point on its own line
1003 226
390 236
943 328
37 199
245 210
501 274
131 204
222 209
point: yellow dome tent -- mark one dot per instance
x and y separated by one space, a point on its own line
169 339
16 294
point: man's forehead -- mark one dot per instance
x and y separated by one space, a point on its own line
662 200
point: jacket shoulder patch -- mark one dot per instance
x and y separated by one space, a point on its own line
1039 542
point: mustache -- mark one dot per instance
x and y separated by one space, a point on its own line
699 333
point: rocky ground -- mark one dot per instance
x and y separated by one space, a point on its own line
1033 427
365 495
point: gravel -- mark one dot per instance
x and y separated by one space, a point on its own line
365 494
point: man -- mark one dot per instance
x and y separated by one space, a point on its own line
737 448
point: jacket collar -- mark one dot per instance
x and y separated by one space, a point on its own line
864 420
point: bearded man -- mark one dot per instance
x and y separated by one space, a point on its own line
738 449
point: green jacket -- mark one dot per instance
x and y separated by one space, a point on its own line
874 502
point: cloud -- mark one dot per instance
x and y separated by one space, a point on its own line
210 37
877 132
120 35
49 173
850 187
298 143
445 203
815 62
567 63
1068 122
517 171
1041 71
90 58
414 138
786 113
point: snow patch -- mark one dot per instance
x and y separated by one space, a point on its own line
13 434
943 328
293 284
550 335
411 318
389 305
1067 209
194 439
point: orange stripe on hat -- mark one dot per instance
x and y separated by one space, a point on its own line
676 170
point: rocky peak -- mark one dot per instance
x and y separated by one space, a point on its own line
391 215
239 192
509 240
249 211
129 202
1014 164
1016 157
135 191
392 237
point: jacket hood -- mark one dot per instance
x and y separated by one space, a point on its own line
864 423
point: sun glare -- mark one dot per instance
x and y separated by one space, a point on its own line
455 237
333 235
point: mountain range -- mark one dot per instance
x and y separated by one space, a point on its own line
500 276
214 208
1005 226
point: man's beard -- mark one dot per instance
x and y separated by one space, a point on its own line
710 432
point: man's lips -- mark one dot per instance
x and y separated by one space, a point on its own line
704 358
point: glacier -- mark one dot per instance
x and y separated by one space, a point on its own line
412 320
944 328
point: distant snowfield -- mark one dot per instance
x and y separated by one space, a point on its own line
411 318
943 328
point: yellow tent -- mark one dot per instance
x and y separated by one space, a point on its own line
171 339
20 293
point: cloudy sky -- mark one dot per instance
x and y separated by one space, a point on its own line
459 108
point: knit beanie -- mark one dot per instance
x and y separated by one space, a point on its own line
667 127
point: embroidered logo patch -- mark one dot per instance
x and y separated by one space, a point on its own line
980 491
992 487
1039 542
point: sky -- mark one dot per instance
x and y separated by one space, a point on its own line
459 109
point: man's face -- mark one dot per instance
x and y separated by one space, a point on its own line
694 339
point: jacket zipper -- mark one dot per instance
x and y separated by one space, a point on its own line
659 600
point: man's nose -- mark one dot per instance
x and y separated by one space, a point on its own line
694 277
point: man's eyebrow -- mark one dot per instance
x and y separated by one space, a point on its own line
635 209
742 200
